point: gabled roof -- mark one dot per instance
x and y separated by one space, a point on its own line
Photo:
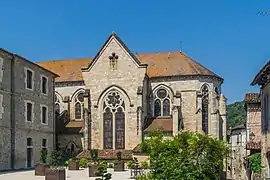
24 59
161 64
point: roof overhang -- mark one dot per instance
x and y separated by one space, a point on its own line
263 75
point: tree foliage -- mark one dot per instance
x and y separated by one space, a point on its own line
187 156
255 162
236 113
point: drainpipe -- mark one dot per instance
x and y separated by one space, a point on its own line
55 140
12 112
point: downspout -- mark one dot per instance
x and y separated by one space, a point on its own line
12 111
54 119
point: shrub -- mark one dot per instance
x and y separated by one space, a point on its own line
94 154
55 158
83 163
131 164
110 165
186 156
43 156
118 154
102 171
144 165
255 162
67 162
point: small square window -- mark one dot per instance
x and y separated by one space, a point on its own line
29 142
44 85
29 111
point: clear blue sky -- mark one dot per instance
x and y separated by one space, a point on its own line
228 37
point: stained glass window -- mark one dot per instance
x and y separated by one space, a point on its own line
205 102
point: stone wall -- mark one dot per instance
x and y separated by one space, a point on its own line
14 111
126 78
254 119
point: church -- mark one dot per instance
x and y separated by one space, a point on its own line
113 101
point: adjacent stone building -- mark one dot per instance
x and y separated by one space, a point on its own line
262 79
113 100
26 111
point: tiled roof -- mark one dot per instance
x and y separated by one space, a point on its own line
252 97
164 124
159 64
252 145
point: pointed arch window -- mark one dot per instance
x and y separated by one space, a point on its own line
205 103
79 106
162 103
57 104
114 116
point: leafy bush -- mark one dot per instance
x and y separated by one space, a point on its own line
67 162
144 165
83 163
102 171
186 156
146 177
43 156
94 154
118 154
255 162
110 165
131 164
55 158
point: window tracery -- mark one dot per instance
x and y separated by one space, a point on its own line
114 113
205 102
162 103
79 105
57 104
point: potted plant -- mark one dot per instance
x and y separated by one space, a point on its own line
102 172
93 167
119 165
74 163
55 171
41 167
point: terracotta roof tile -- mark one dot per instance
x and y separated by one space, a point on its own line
252 97
159 64
164 124
252 145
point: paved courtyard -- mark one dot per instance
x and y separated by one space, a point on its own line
70 175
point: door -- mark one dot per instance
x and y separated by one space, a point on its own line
29 157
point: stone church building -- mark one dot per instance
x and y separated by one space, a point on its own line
113 100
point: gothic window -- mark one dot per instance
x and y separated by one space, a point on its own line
79 106
162 103
57 104
205 102
114 115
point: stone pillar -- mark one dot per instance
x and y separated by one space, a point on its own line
87 130
199 112
223 115
175 116
214 118
176 108
67 100
139 122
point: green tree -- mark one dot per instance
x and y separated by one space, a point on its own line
187 156
255 162
236 113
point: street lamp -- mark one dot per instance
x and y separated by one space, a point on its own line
251 136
